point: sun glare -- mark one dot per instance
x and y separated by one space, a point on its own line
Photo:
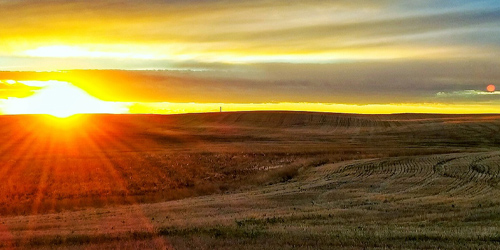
64 51
490 88
60 99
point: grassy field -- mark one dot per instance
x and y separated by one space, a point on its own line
250 179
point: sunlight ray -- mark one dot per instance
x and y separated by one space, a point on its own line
40 195
95 140
18 163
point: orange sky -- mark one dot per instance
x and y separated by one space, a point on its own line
340 56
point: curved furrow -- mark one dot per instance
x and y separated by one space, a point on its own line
462 178
423 177
470 170
453 174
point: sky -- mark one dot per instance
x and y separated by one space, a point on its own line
340 56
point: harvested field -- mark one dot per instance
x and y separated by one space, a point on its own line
254 179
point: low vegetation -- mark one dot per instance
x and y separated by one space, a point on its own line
262 180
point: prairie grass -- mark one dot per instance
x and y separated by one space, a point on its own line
261 180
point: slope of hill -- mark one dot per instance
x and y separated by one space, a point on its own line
272 178
436 201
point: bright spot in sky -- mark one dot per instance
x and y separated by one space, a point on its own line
60 99
491 88
64 51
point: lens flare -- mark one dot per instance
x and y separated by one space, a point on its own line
491 88
60 99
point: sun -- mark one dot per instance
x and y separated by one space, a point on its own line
491 88
60 99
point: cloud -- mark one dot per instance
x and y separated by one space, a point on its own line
350 83
263 30
355 52
467 93
469 96
11 88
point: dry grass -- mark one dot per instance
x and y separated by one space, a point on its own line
400 202
301 180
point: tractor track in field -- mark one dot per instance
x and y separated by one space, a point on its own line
461 174
383 189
